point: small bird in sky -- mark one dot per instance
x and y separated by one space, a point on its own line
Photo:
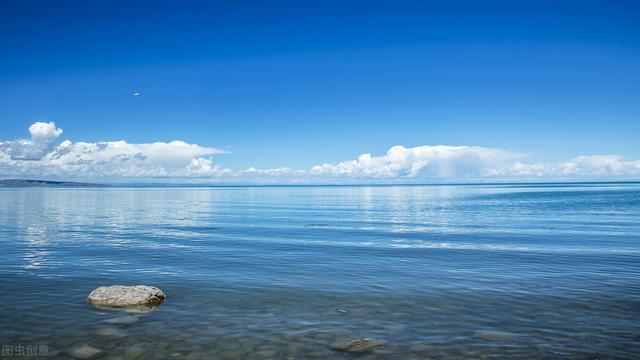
136 94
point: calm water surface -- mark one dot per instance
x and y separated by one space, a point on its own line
442 272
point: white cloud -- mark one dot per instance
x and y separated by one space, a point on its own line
281 171
206 167
40 156
430 161
594 166
43 139
200 166
475 163
43 157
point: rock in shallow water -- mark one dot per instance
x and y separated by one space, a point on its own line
122 296
360 345
134 351
83 351
111 331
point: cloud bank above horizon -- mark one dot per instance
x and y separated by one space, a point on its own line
44 156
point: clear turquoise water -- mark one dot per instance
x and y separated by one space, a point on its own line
493 271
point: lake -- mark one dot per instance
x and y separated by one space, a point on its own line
517 271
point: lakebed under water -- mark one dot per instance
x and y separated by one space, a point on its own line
465 271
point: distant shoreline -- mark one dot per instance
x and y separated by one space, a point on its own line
47 183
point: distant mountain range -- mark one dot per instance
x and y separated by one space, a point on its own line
29 182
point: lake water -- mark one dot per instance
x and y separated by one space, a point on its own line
442 272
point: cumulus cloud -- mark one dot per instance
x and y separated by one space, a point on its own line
206 167
41 156
271 172
430 161
44 156
595 166
43 139
475 163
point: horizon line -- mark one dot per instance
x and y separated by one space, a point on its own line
210 185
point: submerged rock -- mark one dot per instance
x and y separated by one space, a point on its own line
122 296
122 320
359 345
494 335
111 331
83 351
134 351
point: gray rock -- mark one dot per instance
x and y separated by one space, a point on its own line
122 296
83 351
122 320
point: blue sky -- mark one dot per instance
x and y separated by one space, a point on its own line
300 84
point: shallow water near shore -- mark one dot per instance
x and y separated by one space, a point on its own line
464 271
